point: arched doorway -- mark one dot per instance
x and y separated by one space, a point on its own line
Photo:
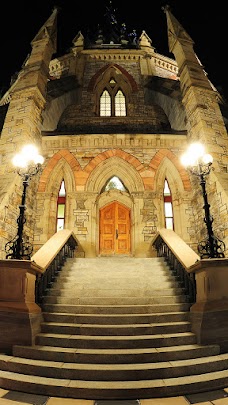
115 226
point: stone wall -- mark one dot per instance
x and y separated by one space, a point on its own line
142 163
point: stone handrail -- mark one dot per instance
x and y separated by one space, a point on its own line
47 253
206 281
179 257
22 286
184 254
51 258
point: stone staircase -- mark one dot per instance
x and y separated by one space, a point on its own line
115 328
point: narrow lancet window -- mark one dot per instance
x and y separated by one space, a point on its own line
120 104
105 104
61 205
168 206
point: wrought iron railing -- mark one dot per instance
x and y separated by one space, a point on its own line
45 280
186 280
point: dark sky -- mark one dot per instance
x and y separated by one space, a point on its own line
206 22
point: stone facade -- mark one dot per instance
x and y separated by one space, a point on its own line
55 104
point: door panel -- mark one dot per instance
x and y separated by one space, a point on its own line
123 227
115 229
107 229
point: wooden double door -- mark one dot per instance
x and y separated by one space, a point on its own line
115 229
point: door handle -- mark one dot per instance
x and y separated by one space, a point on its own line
117 234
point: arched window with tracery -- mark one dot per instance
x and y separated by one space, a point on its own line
61 207
112 101
168 206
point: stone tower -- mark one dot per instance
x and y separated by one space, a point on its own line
113 108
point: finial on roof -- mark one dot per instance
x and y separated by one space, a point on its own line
166 8
57 8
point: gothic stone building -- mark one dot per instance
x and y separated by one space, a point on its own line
112 118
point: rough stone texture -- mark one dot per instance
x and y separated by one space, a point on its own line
169 102
20 316
209 313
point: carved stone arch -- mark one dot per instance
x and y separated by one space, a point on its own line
47 197
127 173
114 195
61 171
63 156
157 161
168 170
121 81
118 70
114 166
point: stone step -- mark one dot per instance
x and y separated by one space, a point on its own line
115 318
116 309
109 356
170 299
117 284
142 264
112 329
114 372
119 330
155 273
82 389
117 262
68 292
115 341
130 276
102 291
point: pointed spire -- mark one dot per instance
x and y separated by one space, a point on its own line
181 45
175 29
49 30
145 41
198 95
37 63
78 41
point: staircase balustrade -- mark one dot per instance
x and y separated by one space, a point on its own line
179 257
51 257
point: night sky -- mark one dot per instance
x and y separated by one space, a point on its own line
205 22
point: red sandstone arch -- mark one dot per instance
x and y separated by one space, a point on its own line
62 154
157 159
110 153
81 176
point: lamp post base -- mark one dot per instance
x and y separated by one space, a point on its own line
212 247
18 249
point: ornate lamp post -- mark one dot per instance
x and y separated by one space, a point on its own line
28 163
199 163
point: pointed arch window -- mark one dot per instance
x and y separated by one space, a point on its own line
120 104
61 205
112 100
168 206
105 104
114 183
